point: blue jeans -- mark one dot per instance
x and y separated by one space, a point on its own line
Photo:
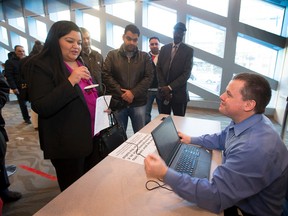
151 96
136 114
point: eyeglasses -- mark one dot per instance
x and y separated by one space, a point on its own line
154 44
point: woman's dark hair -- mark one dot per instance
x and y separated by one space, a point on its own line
52 48
255 88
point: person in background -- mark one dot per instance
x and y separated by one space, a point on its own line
154 45
13 78
92 58
24 66
127 74
174 67
6 195
66 112
254 171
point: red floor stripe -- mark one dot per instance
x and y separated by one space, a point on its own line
38 172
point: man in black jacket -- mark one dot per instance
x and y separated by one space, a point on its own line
12 74
5 194
173 70
127 74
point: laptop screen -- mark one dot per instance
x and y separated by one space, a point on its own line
166 139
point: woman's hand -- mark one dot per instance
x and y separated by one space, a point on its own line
79 73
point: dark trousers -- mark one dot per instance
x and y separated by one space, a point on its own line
70 170
23 107
4 181
178 109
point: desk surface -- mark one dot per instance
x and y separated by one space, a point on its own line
117 187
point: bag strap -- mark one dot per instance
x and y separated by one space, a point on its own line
112 118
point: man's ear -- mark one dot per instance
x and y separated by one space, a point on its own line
249 105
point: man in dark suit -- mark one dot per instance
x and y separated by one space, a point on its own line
173 70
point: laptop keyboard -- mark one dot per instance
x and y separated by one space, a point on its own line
188 160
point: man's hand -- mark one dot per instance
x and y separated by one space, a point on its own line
184 138
165 90
127 95
15 91
155 167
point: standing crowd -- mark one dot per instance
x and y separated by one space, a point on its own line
54 80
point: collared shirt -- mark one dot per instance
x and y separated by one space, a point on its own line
253 175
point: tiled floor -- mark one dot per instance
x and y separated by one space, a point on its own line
24 151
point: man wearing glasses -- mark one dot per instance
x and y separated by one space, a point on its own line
127 74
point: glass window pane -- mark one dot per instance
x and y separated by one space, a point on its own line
256 56
114 35
160 19
4 35
121 10
206 76
61 15
17 23
199 35
219 7
268 17
33 7
92 24
12 9
3 54
86 3
57 5
41 30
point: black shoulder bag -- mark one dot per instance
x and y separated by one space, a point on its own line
111 137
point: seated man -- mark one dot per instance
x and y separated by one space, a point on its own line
254 171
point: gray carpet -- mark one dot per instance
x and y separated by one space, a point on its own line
34 176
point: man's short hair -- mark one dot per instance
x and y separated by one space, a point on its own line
132 28
154 37
84 30
15 47
255 88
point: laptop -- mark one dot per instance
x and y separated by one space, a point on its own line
175 153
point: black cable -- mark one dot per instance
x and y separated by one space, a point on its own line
158 185
136 149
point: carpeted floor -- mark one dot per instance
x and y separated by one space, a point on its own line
34 177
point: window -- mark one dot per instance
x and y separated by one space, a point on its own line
159 19
61 15
3 35
255 56
92 24
3 55
17 23
37 28
206 75
114 35
268 17
206 36
124 10
219 7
